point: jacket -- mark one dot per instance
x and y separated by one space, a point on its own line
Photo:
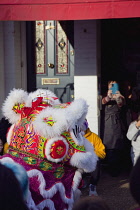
133 134
95 140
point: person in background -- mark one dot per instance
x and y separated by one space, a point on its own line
11 195
132 98
134 181
133 134
91 203
99 149
4 126
113 131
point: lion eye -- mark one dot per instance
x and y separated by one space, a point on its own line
76 130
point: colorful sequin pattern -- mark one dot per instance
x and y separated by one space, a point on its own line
72 146
25 139
18 107
49 120
72 143
61 106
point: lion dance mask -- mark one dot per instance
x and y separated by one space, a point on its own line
46 139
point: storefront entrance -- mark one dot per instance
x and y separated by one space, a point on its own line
120 51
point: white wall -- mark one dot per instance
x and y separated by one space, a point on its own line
2 83
9 55
12 57
86 68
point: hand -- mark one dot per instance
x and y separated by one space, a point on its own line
118 95
138 124
109 93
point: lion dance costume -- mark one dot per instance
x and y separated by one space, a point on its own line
46 139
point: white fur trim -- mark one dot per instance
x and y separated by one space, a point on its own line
87 161
77 195
78 140
15 96
49 145
65 119
6 160
88 146
28 101
48 194
90 149
76 113
30 202
46 203
47 131
77 179
43 93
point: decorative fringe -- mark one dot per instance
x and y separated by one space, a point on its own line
60 124
48 194
16 96
77 179
87 161
51 98
46 203
76 113
64 119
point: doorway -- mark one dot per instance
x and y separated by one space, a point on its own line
120 51
55 57
120 61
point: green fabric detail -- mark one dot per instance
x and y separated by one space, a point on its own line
30 160
59 172
72 143
45 166
41 146
15 154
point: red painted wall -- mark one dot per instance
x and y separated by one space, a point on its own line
68 9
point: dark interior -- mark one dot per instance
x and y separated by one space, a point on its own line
120 51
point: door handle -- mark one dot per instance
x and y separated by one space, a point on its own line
51 65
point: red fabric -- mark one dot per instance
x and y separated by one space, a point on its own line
58 149
56 174
68 9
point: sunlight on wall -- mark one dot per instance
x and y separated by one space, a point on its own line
86 87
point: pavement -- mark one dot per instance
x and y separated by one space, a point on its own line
114 190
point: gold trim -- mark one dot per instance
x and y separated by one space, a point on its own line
12 149
27 153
